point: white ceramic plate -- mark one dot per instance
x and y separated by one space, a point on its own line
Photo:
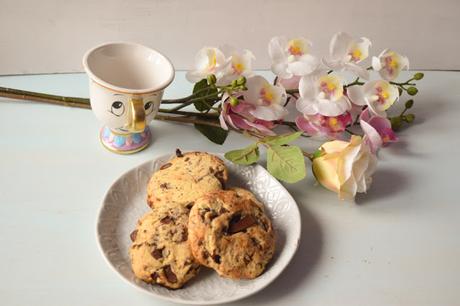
125 202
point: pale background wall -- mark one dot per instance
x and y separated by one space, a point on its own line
51 35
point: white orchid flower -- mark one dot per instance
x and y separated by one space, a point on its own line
240 64
346 53
322 94
291 57
268 100
389 64
378 95
209 60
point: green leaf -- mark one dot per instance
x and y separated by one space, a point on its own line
213 133
246 156
281 139
286 163
207 95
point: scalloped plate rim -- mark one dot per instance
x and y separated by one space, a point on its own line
193 302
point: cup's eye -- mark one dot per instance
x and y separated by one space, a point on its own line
118 108
148 107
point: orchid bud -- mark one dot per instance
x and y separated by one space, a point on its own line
409 118
234 83
241 80
409 103
234 101
412 91
418 76
211 79
395 123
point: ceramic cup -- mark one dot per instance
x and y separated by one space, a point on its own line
126 82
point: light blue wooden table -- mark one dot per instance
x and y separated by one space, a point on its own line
399 246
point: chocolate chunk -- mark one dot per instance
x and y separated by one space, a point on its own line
220 176
166 220
211 215
241 224
179 153
211 169
165 166
170 276
157 253
216 258
205 254
133 235
154 276
187 159
222 210
264 225
184 235
203 212
247 259
235 218
164 186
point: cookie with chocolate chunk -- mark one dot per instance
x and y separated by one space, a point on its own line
185 178
160 252
230 232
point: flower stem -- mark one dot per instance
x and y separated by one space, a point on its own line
355 82
351 132
187 120
184 113
46 98
292 91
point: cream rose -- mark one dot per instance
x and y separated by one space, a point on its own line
345 167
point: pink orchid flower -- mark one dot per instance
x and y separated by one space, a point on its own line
319 125
377 130
240 117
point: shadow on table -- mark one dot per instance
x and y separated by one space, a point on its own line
385 182
301 265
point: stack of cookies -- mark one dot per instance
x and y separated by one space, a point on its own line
195 222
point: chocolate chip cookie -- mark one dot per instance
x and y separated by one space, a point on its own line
185 178
160 252
230 232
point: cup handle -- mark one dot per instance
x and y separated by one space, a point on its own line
136 115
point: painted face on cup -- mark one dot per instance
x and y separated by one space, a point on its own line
115 110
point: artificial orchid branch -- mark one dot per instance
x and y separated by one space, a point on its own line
228 96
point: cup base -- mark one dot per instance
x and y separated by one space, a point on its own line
124 143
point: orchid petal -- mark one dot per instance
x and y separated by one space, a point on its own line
305 65
372 136
276 49
376 65
332 109
339 45
306 106
274 112
356 95
358 70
